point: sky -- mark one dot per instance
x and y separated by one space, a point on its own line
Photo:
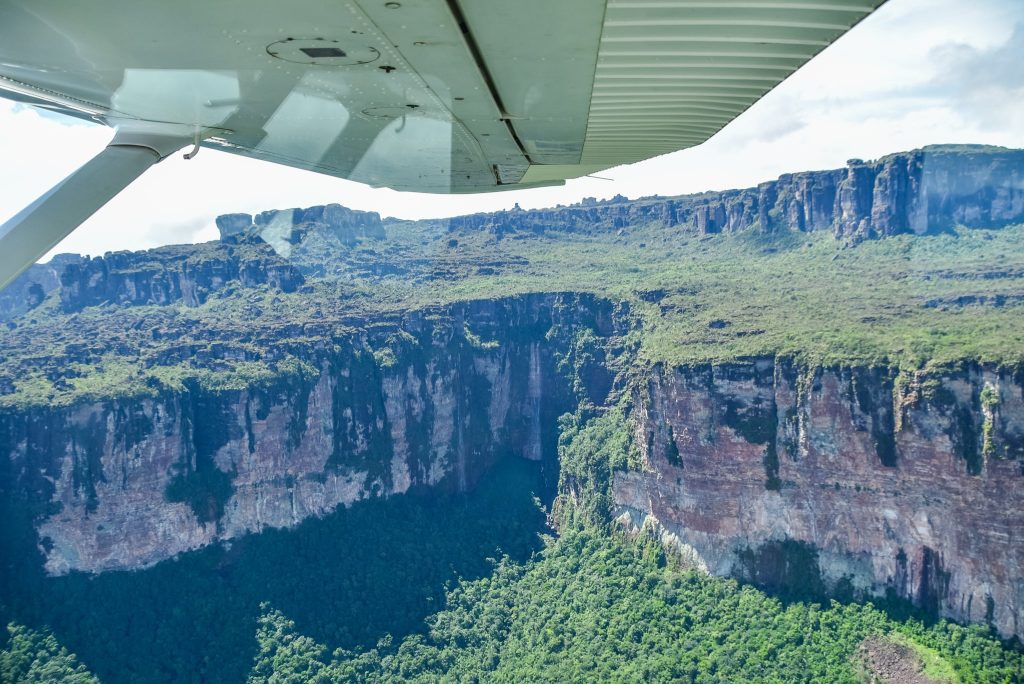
916 72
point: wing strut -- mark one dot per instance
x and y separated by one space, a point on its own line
40 226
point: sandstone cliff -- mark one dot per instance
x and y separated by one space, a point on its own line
29 289
252 251
291 225
926 190
346 373
168 275
922 191
854 482
431 400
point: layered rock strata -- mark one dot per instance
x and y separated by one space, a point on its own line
432 401
290 225
854 482
186 274
929 190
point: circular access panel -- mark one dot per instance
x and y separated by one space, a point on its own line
323 52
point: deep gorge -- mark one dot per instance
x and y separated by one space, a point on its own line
807 386
877 483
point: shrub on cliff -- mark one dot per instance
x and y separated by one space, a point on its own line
592 445
595 609
32 657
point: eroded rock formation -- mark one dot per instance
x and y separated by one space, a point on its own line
855 482
168 275
851 481
431 400
290 225
28 290
922 191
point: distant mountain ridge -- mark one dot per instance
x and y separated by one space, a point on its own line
847 420
922 191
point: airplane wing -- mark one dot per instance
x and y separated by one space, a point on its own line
442 96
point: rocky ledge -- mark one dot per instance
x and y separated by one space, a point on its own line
167 275
921 191
431 400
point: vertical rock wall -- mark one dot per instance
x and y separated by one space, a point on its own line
850 481
432 400
929 190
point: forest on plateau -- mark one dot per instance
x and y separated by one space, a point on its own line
773 435
469 588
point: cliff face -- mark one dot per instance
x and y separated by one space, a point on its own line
29 289
432 401
168 275
289 226
922 191
319 375
849 481
590 215
252 251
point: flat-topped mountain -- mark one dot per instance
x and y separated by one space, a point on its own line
814 384
922 191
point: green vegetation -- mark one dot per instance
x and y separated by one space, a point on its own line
33 657
591 608
905 301
453 587
591 446
588 607
892 301
989 398
379 567
408 589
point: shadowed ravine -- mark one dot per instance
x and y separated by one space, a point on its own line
376 568
814 386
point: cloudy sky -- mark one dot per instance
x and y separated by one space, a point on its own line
917 72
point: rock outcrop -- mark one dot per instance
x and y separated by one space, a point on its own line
923 191
253 251
858 482
168 275
853 482
929 190
29 289
587 216
431 400
345 225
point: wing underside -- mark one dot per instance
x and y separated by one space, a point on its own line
423 95
442 96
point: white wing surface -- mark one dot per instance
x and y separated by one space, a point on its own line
423 95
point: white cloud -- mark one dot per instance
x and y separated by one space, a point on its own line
907 76
986 83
